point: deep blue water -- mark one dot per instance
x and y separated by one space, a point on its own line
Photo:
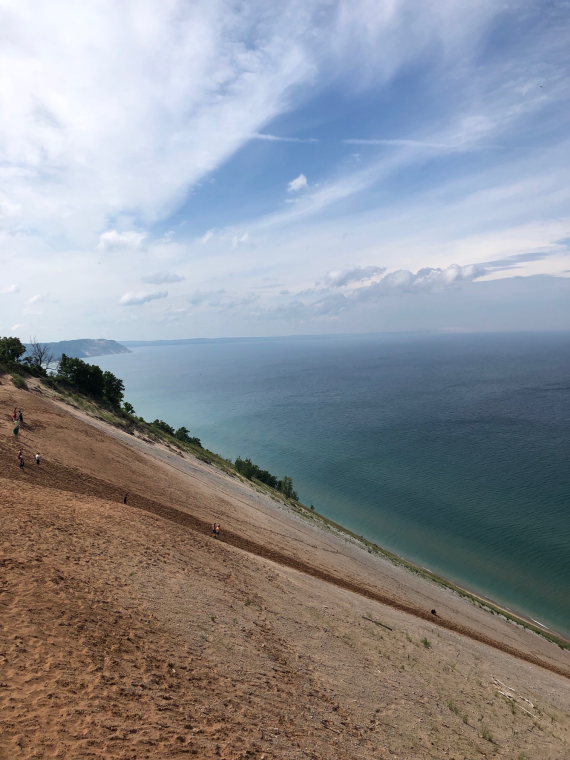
450 450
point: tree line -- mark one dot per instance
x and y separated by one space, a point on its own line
106 388
91 380
251 471
181 434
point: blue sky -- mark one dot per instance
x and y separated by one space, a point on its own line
179 169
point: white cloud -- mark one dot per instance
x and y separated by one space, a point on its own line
337 189
122 107
299 183
114 112
42 298
211 298
400 142
237 239
369 285
9 210
10 289
430 279
351 275
277 138
113 240
136 299
161 278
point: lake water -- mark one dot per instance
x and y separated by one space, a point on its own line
451 450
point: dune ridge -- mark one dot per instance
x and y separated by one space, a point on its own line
128 631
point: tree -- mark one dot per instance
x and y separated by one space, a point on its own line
113 388
245 467
38 354
286 487
11 349
164 426
129 408
64 368
266 477
183 434
250 470
89 378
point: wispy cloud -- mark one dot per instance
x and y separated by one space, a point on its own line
469 139
237 239
210 297
400 143
113 240
515 261
160 278
183 119
277 138
137 299
299 183
9 289
94 197
42 298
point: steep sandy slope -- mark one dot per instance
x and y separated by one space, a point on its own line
129 632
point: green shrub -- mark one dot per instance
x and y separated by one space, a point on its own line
163 426
487 735
183 434
19 382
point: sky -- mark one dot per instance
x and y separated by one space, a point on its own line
204 168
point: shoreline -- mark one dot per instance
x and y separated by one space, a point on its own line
524 620
309 515
417 527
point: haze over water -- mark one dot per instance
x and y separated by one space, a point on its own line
451 450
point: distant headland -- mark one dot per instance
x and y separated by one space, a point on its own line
83 347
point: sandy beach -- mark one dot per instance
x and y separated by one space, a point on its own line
128 631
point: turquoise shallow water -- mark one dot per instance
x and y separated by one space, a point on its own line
449 450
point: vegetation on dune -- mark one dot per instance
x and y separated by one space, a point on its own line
71 375
19 382
11 349
90 379
252 472
182 434
102 393
13 361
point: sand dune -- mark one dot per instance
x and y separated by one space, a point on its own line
127 631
